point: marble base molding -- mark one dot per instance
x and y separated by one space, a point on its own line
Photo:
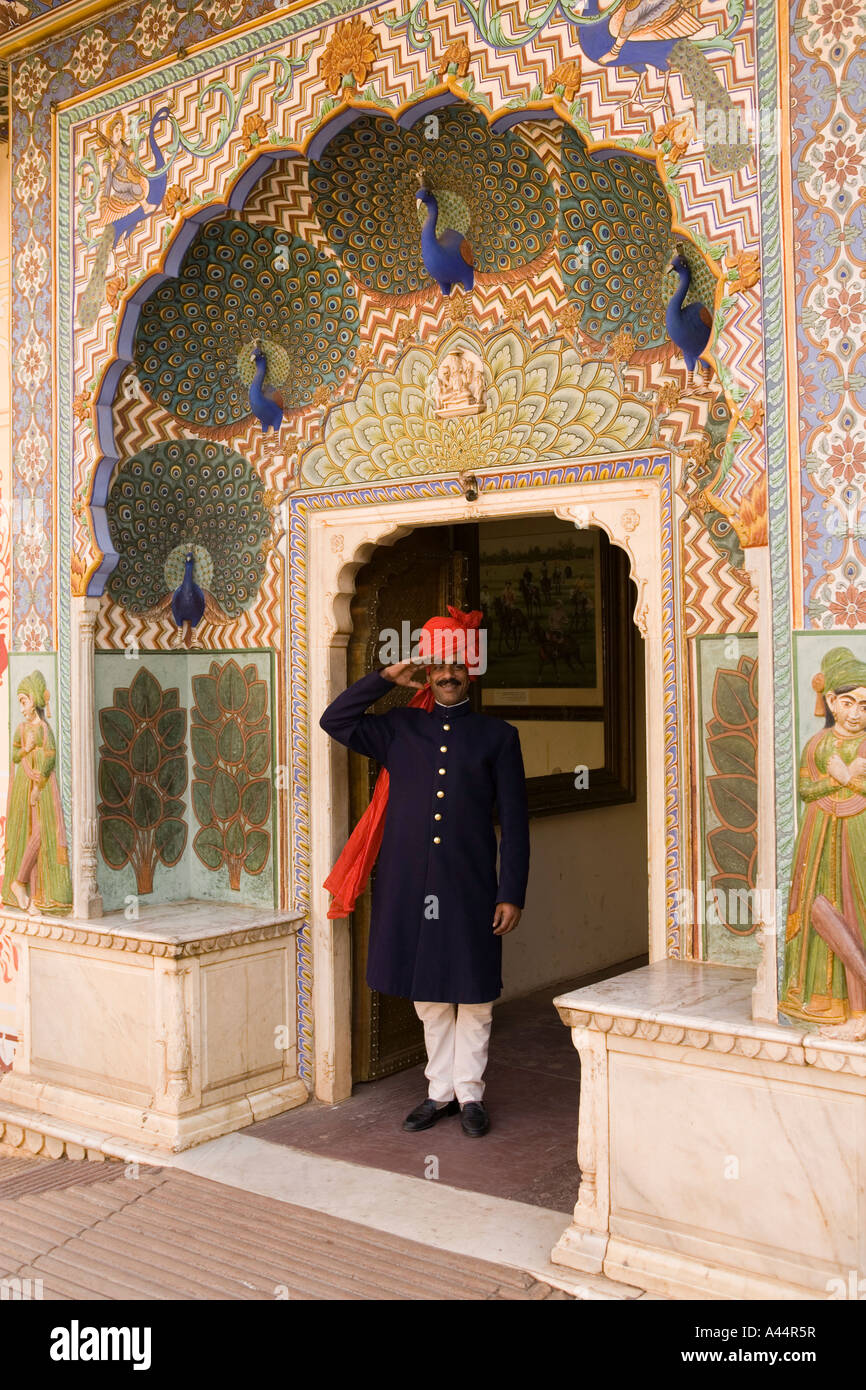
720 1158
167 1031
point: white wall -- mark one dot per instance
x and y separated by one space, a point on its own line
586 907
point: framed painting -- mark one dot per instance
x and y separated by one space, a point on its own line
558 607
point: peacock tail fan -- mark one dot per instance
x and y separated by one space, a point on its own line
493 188
719 116
239 285
181 496
616 240
93 296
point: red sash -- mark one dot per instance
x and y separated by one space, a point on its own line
348 878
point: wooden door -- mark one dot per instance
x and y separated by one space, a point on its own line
408 581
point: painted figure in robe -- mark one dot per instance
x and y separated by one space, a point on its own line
36 873
825 946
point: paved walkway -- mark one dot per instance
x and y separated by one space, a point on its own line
116 1230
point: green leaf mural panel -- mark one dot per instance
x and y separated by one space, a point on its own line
726 799
136 827
224 728
185 777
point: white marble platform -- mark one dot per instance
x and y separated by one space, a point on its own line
720 1157
176 924
168 1029
700 999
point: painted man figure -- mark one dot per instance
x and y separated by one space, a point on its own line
439 912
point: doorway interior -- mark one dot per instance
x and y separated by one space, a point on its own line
565 664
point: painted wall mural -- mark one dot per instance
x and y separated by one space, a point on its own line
36 857
726 773
142 776
582 147
541 405
824 967
828 182
231 792
185 778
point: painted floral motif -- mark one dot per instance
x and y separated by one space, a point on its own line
31 268
32 634
90 57
848 608
350 52
143 778
31 362
155 27
845 310
840 162
29 86
31 175
31 456
823 23
31 551
542 404
230 734
732 788
222 13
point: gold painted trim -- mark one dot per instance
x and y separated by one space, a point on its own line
46 26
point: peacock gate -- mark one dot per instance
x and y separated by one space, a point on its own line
322 317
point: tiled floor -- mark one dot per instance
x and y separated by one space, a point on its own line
529 1155
75 1230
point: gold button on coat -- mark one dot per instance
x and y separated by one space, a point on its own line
446 727
441 772
443 747
438 815
440 793
436 840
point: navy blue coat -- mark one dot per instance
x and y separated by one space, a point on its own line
431 930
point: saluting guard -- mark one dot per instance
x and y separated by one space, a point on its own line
439 908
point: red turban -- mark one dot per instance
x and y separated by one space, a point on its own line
348 878
446 640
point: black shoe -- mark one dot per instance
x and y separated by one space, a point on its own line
474 1119
427 1113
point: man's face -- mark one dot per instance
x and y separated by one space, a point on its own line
450 684
849 710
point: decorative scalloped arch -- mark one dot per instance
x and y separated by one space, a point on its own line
238 193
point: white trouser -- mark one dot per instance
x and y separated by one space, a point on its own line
456 1037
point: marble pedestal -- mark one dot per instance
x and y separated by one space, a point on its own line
168 1030
720 1158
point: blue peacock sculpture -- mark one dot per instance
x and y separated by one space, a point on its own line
447 256
491 195
187 601
189 522
126 199
659 34
254 324
690 327
267 410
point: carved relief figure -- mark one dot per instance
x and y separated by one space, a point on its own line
825 950
458 387
37 861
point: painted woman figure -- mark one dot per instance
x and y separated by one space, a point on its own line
123 187
37 862
826 930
